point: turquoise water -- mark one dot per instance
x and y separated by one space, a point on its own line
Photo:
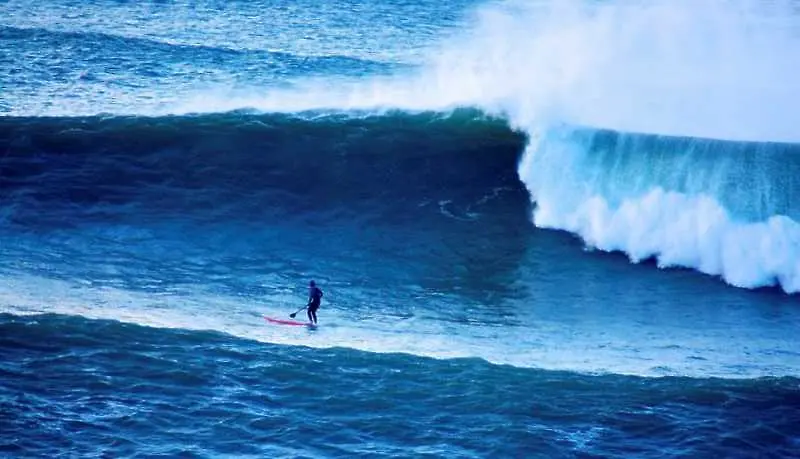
542 229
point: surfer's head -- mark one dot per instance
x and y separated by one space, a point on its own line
312 284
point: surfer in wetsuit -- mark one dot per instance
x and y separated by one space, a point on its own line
314 300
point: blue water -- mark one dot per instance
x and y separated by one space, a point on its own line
545 229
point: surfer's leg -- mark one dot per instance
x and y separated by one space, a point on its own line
312 312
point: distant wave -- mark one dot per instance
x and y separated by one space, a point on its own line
164 45
139 46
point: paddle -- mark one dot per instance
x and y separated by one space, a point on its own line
295 313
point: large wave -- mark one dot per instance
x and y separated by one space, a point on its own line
565 72
595 85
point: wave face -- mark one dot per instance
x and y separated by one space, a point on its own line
260 183
260 168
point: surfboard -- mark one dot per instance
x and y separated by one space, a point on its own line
288 322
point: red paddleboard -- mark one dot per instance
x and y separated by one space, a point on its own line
288 322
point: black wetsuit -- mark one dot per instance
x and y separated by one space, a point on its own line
314 300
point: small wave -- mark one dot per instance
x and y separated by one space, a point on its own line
117 43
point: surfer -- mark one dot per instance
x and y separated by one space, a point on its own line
314 300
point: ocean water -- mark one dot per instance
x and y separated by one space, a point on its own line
543 229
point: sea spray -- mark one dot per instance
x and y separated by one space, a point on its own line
699 70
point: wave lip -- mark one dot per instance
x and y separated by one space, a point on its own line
723 208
